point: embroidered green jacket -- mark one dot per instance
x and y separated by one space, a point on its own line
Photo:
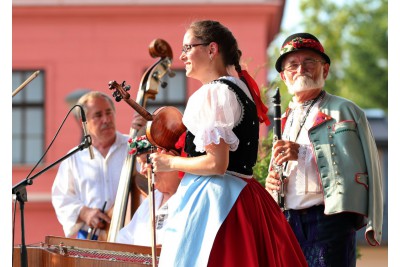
348 163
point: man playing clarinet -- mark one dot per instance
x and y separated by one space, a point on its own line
334 180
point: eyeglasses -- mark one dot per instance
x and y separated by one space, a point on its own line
186 48
308 64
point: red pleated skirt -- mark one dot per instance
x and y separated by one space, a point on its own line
255 233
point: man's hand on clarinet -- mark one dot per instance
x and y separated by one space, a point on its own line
272 182
284 151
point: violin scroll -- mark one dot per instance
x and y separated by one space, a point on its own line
121 90
121 93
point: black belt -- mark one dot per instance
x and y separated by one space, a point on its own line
313 209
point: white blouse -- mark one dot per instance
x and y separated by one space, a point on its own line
212 112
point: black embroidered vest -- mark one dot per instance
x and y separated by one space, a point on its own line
244 158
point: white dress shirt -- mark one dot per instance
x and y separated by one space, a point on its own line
303 189
81 181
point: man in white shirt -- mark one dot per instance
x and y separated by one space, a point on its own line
83 186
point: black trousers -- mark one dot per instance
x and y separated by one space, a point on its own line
326 240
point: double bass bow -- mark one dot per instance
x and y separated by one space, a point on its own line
148 89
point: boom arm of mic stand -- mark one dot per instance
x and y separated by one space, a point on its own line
21 196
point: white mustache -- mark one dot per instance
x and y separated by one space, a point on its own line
303 82
106 126
305 75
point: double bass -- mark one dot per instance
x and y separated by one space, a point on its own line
148 89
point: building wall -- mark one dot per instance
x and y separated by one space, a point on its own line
78 46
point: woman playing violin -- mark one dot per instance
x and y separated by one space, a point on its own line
221 215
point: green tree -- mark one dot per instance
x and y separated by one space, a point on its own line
355 36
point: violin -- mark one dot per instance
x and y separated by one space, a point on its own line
164 126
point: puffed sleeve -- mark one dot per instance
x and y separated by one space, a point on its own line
211 113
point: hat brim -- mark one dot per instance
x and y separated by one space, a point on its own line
278 64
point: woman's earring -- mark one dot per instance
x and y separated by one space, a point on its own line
211 57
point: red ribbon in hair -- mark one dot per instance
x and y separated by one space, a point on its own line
255 93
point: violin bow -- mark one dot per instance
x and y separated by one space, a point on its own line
150 181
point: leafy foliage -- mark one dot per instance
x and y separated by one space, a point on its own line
260 170
355 36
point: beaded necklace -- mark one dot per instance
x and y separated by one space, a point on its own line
310 102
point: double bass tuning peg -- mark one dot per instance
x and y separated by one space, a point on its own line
171 74
156 77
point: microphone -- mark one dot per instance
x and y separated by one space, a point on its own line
88 138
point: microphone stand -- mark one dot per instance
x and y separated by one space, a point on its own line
21 195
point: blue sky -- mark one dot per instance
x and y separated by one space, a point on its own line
291 14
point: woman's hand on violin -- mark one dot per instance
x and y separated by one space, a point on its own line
214 162
161 161
284 151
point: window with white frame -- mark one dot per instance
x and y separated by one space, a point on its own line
27 118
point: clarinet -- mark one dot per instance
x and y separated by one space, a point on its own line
278 136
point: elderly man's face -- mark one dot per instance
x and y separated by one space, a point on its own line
304 70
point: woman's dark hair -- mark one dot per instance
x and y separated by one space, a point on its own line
212 31
208 31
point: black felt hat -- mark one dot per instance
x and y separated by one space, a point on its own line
297 42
